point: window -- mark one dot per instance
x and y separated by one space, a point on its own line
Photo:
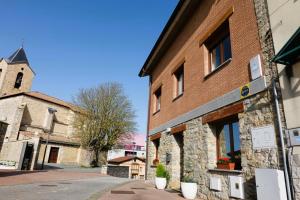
0 72
219 47
19 80
157 101
130 153
156 143
228 141
179 81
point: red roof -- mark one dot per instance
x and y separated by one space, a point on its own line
124 159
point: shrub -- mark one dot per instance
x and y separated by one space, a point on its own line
161 172
224 161
188 179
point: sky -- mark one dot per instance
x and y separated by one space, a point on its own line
75 44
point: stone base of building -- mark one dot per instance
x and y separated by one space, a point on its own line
192 151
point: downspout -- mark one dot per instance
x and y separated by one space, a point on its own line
147 139
287 177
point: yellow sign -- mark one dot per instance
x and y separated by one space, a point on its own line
245 91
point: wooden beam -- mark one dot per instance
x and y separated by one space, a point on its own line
155 136
178 129
223 113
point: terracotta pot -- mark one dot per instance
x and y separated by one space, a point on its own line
229 166
155 162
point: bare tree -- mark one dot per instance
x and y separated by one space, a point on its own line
107 117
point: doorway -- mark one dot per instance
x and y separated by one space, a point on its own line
53 155
3 128
177 164
26 165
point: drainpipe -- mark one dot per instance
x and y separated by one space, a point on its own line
287 178
148 121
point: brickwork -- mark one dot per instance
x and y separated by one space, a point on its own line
250 35
186 47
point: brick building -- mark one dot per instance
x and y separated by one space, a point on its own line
29 119
210 97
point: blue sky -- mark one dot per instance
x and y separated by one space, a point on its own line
76 44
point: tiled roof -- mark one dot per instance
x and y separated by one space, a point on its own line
50 99
44 97
18 56
125 159
52 138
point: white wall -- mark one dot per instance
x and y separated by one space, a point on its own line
285 20
8 110
115 153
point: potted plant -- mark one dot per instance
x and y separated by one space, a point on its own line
225 163
162 177
188 187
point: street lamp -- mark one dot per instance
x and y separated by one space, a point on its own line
47 130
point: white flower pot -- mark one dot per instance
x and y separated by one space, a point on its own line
189 190
160 183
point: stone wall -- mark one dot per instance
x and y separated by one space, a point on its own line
9 110
200 151
118 171
10 74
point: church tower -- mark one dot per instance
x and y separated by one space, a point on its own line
16 74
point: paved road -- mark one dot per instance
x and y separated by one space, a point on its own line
55 185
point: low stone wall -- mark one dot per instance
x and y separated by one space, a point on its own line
118 171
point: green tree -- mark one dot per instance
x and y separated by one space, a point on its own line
107 117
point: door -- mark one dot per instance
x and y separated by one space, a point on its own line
27 157
177 161
53 155
3 127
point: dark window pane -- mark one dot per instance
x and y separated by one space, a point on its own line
216 57
227 48
224 142
19 80
236 136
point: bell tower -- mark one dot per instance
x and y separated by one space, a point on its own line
16 74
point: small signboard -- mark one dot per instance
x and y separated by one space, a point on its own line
255 67
245 91
263 137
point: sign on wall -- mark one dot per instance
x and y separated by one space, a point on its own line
245 91
255 67
263 137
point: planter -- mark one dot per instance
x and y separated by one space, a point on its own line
189 190
228 166
160 183
155 162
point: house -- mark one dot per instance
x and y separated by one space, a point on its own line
35 128
285 29
210 98
127 167
136 148
127 150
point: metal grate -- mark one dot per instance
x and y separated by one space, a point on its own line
136 188
121 192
